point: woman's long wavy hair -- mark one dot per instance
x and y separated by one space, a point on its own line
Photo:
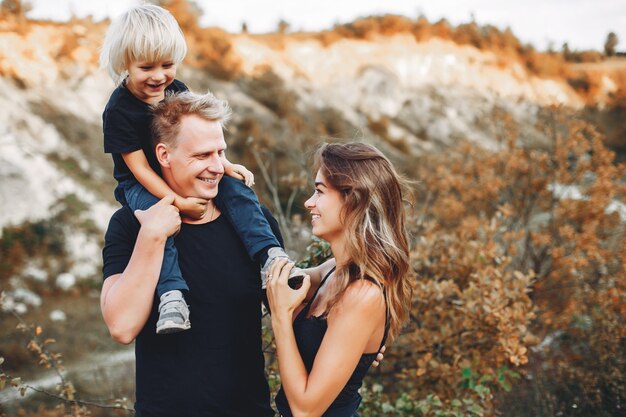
373 214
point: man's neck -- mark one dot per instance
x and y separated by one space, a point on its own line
211 214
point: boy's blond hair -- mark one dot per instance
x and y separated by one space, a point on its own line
144 33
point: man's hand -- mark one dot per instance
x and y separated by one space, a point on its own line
160 220
239 172
192 207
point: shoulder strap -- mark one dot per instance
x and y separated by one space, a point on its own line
386 333
308 306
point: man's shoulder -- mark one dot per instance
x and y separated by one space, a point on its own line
119 240
123 212
123 221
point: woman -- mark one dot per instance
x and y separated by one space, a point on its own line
355 300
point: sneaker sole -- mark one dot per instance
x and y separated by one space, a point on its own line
171 327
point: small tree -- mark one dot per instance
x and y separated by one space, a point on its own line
14 12
567 53
283 26
17 8
186 12
610 44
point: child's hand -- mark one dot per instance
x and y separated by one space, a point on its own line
239 172
192 207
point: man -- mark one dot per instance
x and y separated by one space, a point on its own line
217 367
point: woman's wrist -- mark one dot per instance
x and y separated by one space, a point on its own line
281 318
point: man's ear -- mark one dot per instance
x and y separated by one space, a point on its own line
163 154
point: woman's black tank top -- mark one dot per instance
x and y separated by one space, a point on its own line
309 332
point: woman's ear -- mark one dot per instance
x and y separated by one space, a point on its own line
162 154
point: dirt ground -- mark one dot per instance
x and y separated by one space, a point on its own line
99 368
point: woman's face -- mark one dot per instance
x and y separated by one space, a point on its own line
325 206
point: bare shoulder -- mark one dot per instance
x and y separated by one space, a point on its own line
363 295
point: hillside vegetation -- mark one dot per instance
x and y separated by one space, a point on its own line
516 214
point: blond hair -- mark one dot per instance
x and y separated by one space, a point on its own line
144 33
168 114
374 219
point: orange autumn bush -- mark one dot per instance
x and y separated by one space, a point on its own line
513 250
209 48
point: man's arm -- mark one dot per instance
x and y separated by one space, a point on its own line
126 298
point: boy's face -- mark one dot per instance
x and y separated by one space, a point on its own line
147 80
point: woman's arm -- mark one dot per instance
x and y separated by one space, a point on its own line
136 161
352 325
126 298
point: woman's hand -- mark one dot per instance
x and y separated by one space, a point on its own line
283 299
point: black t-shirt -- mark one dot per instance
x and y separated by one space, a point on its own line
127 125
216 368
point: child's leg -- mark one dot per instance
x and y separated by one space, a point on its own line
170 277
243 210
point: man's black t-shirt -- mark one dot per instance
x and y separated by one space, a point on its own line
217 367
127 125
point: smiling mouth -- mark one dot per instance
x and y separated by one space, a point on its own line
155 85
208 180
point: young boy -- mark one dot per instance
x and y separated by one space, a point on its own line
141 51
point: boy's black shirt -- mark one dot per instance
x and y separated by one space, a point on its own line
127 126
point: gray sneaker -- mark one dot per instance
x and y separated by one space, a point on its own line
173 313
295 277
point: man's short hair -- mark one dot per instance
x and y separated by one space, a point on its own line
144 33
168 114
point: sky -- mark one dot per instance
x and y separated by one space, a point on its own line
584 24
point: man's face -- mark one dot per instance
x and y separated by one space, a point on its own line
195 167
